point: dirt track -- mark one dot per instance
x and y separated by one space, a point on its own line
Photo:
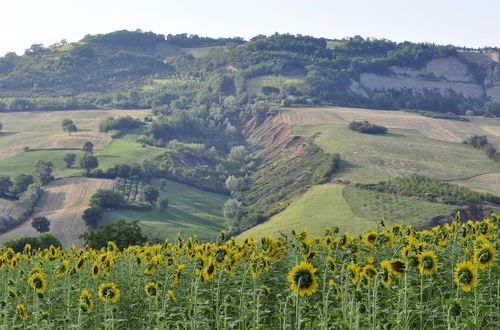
63 202
438 129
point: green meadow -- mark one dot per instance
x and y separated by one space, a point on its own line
191 211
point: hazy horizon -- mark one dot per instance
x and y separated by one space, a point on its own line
460 22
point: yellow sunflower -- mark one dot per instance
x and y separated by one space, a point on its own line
209 271
108 292
336 291
37 282
151 290
172 296
86 301
94 271
370 271
12 293
386 277
395 266
465 275
354 271
331 264
302 279
62 269
485 255
79 264
177 274
427 262
370 237
22 312
345 240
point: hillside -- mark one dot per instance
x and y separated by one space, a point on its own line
253 128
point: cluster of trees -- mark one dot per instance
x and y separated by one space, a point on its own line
432 190
40 241
119 124
481 143
14 188
367 127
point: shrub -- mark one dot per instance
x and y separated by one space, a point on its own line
366 127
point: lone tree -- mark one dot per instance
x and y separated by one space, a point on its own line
1 125
150 194
69 159
69 126
88 147
41 224
89 162
162 204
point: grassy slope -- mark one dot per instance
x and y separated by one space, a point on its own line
321 207
371 158
396 209
191 211
122 150
199 52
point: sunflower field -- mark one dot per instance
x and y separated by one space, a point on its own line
389 277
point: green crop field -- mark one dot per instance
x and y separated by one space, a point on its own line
321 207
371 158
255 85
396 209
191 211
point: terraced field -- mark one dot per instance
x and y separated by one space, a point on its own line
63 202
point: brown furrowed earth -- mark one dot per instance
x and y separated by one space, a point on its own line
63 202
8 208
43 129
489 183
438 129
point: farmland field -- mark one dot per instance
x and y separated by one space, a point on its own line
8 208
62 202
120 150
396 209
489 183
42 129
438 129
320 207
372 158
191 211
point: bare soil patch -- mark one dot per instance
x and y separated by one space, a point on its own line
63 202
489 183
8 209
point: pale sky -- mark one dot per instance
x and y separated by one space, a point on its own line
472 23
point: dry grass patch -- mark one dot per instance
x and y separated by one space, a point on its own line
43 130
489 183
8 208
63 202
438 129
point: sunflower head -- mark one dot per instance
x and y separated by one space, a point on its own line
86 301
394 266
37 282
427 262
151 290
336 290
485 255
172 296
302 279
331 264
21 311
465 275
370 237
108 292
